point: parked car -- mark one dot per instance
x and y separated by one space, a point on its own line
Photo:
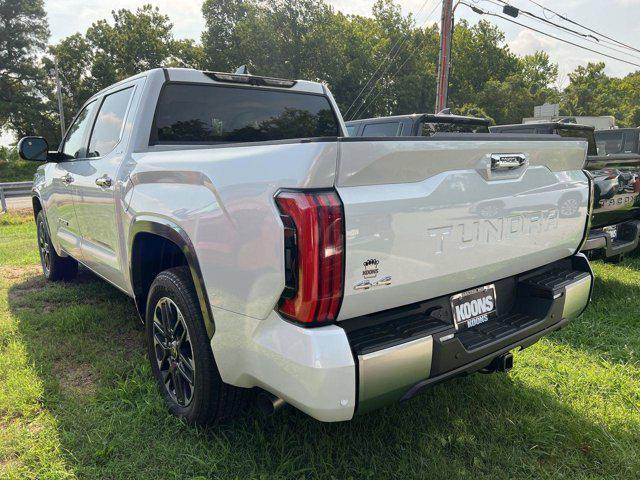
264 249
615 224
416 125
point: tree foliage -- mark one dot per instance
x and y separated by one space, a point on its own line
381 64
24 106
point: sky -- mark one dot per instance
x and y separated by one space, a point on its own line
620 19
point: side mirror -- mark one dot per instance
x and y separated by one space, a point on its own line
33 148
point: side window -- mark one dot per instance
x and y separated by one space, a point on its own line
388 129
351 130
73 143
109 123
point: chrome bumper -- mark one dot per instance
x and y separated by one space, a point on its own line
399 371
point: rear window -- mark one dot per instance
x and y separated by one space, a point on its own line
211 114
612 142
578 133
429 129
515 130
388 129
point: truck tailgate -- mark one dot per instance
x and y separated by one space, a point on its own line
430 217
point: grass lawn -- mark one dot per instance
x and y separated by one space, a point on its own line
17 170
77 399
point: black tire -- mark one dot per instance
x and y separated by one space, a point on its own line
207 399
54 267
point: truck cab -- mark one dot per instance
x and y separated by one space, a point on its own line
416 125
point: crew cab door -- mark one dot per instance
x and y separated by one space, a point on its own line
96 182
61 216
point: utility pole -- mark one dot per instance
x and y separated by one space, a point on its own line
56 75
445 55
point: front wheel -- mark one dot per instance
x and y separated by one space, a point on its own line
54 266
180 354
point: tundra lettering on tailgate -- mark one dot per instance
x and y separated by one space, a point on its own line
467 234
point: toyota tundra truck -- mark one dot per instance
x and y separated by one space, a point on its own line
615 167
266 251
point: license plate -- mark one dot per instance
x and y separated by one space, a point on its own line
612 231
474 307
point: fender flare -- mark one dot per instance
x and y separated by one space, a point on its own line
174 233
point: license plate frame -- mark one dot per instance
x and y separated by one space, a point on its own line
471 307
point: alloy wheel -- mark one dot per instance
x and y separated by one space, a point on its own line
174 351
44 247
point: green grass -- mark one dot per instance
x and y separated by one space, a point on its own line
17 170
77 400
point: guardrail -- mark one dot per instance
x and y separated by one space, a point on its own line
12 190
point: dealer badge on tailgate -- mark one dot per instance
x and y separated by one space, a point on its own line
474 307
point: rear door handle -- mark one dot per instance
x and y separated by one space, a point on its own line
103 181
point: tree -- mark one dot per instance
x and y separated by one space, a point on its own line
590 92
111 51
24 107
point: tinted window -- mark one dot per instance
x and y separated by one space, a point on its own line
578 133
351 130
212 114
452 127
516 130
73 145
609 142
106 132
389 129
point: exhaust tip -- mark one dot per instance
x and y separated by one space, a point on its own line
269 404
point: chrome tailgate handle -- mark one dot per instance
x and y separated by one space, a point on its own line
503 166
507 161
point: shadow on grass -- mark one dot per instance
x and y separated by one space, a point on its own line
84 341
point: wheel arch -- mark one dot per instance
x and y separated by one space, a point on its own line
151 231
37 206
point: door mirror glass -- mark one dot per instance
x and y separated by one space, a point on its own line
33 148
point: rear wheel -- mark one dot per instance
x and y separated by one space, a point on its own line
180 354
54 266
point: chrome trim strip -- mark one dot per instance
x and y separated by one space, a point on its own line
385 375
576 297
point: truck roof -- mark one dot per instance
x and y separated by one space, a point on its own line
191 75
614 130
568 126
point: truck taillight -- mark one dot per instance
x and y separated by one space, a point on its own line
314 255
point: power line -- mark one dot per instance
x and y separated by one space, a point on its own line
491 14
363 106
586 37
384 60
545 20
567 19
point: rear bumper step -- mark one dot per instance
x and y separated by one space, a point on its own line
626 241
403 350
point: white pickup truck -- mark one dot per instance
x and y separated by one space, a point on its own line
265 249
